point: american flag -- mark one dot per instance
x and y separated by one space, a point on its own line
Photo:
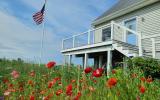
39 16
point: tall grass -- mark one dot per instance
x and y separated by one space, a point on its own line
91 88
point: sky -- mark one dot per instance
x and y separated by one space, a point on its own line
20 37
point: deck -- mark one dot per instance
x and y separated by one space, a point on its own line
92 43
88 42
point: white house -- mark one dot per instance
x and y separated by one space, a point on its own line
130 28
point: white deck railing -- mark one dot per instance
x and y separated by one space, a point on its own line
82 39
78 40
118 32
151 44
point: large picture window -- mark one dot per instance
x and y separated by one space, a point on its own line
106 34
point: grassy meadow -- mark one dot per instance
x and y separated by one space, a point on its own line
24 81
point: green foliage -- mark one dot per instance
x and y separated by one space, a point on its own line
149 65
91 88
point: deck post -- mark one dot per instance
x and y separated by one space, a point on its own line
109 61
125 36
112 29
100 61
70 59
140 44
89 36
93 36
85 60
153 48
64 59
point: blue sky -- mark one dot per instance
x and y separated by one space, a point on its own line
20 37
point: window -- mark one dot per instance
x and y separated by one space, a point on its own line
131 24
106 34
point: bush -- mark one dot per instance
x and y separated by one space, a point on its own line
149 65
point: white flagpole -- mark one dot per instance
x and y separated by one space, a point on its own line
43 34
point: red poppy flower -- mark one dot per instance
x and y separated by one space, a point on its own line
10 85
98 72
57 79
73 81
149 79
142 89
30 82
50 84
69 90
111 82
88 70
95 81
21 89
50 64
101 70
15 74
46 98
42 92
113 71
58 92
78 96
60 83
5 80
143 79
32 97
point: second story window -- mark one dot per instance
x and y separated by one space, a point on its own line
131 24
106 34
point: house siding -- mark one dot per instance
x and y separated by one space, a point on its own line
148 23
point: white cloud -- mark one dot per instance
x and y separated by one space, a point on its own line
72 15
20 38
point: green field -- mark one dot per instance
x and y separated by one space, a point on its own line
33 82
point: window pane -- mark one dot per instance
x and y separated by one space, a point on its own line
131 24
106 34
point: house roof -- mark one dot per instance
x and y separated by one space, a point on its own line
122 7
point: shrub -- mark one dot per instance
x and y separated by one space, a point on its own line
149 65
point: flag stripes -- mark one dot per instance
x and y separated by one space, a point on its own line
39 16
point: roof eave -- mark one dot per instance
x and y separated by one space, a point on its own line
123 12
